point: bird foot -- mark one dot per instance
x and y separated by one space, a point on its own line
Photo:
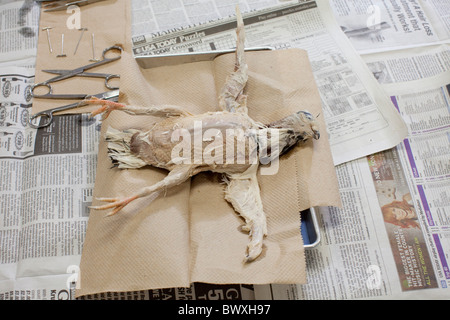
116 203
106 106
257 233
254 250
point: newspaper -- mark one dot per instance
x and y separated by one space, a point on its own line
47 179
360 118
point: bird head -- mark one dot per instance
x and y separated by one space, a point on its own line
302 125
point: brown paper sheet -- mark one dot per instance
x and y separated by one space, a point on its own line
191 234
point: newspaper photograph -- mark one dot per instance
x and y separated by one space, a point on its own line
406 237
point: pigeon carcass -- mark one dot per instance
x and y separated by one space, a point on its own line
205 146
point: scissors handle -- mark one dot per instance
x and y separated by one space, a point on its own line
64 74
110 49
109 77
47 115
104 60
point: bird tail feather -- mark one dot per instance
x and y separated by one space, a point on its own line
119 149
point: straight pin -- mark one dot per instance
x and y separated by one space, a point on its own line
93 50
62 48
79 40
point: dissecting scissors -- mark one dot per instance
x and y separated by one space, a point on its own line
58 5
47 115
78 72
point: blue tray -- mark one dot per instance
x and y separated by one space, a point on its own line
310 228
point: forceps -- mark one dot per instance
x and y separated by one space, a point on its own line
78 72
47 115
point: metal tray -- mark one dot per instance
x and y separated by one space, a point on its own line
153 61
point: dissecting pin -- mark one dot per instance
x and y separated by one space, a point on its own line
48 38
93 50
79 40
62 48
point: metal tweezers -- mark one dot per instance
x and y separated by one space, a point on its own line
58 5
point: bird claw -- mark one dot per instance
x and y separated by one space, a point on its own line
257 233
106 106
253 251
114 203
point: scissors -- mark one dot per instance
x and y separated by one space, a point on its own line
78 72
58 5
47 115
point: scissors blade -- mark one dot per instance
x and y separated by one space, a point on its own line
82 74
64 74
105 96
108 95
66 71
55 71
112 95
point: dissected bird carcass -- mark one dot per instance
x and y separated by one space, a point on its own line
250 142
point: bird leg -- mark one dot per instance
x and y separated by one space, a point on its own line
243 193
159 111
175 177
231 97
